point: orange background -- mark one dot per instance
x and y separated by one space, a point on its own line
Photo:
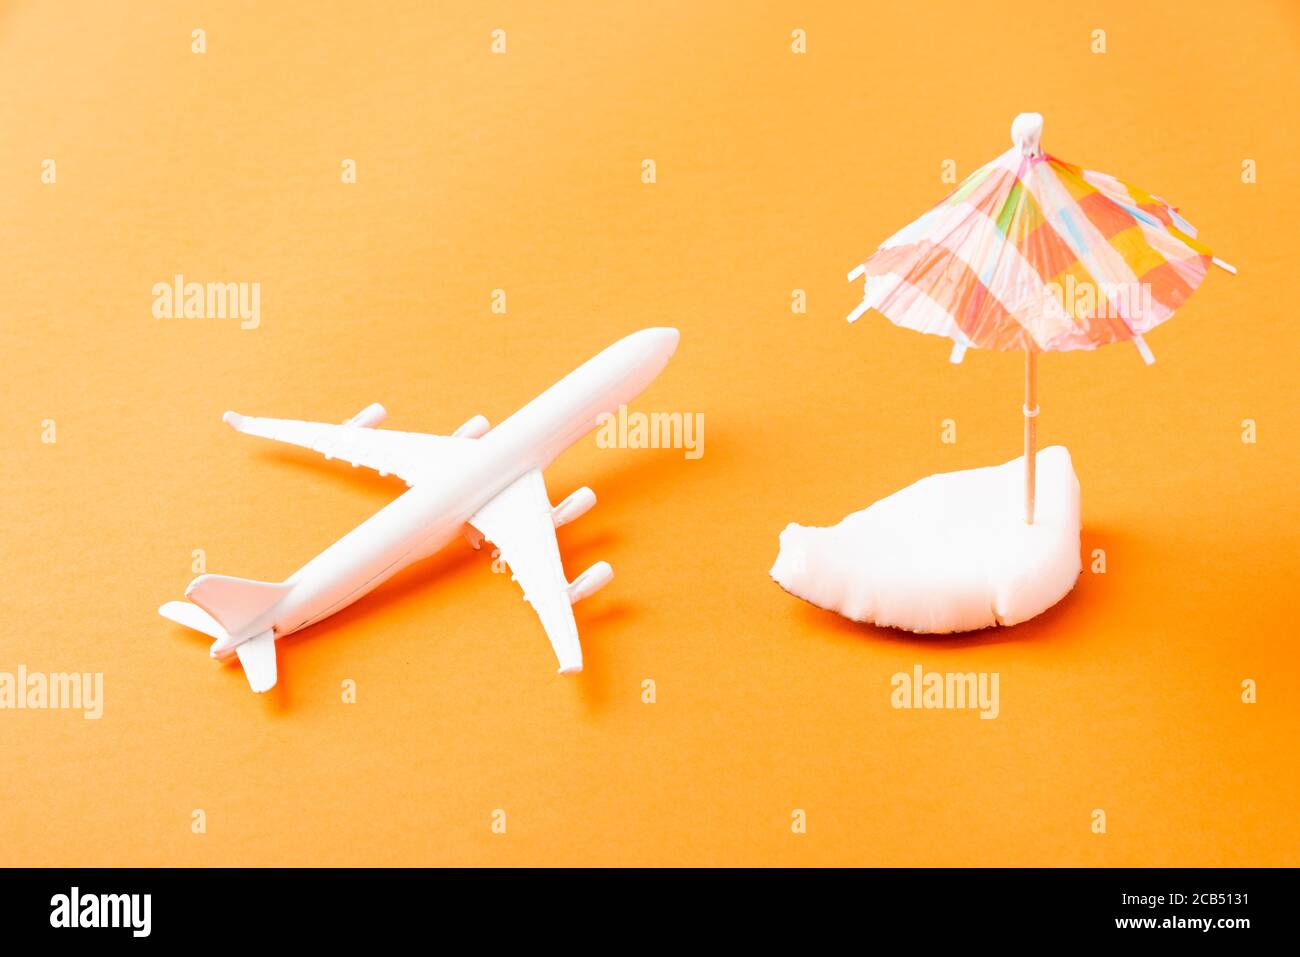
522 172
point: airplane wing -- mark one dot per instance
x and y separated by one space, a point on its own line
521 522
408 455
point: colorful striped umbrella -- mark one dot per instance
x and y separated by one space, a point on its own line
1033 253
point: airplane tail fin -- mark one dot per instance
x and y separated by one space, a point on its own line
231 601
235 603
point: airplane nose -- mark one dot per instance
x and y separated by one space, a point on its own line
664 337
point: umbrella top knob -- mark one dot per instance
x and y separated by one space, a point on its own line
1026 130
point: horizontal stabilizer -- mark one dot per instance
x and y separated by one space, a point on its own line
257 655
192 616
235 602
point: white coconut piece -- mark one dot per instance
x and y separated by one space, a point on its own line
951 552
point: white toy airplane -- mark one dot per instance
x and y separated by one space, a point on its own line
476 482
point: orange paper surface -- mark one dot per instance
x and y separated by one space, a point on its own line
522 171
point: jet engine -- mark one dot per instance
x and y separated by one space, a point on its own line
589 582
369 417
472 428
575 506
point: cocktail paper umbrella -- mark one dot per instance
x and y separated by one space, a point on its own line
1033 253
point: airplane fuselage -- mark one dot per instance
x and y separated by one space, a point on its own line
434 511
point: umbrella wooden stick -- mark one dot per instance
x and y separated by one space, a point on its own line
1031 430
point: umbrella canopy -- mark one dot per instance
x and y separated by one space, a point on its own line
1031 252
1035 254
